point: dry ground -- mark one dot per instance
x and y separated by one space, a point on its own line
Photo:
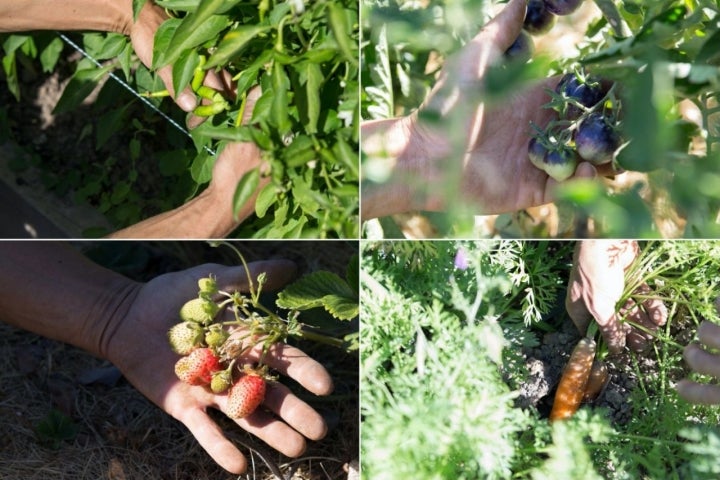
120 435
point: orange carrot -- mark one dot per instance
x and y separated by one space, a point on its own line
597 380
572 384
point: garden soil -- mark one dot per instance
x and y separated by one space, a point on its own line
113 432
42 152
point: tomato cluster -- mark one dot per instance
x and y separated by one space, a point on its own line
586 129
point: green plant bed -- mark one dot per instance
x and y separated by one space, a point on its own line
460 366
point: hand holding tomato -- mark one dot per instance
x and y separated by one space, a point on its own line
596 284
456 146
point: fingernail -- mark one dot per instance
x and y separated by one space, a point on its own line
187 101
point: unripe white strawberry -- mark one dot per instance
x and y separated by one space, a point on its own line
208 286
185 336
199 310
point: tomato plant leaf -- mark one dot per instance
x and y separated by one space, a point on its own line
245 189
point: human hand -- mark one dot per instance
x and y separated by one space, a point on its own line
703 358
137 343
597 281
470 150
142 35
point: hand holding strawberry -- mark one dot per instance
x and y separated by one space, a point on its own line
148 362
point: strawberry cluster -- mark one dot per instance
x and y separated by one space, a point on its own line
209 356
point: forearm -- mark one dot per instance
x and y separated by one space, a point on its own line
49 288
201 217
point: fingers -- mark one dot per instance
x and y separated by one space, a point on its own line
489 44
505 27
211 438
702 361
709 334
277 273
694 392
276 433
294 363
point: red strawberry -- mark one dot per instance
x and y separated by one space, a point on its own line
198 367
246 395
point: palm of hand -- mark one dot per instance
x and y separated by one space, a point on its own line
139 347
498 175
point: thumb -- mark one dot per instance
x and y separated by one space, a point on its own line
505 27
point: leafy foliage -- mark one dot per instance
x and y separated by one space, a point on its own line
441 361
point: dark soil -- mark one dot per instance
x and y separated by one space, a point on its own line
63 155
545 364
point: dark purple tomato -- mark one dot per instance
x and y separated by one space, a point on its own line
562 7
521 49
596 140
587 93
536 153
560 164
538 19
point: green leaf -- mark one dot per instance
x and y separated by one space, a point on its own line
196 28
201 168
183 69
82 83
310 74
137 6
245 189
266 198
50 54
10 69
233 43
321 289
55 428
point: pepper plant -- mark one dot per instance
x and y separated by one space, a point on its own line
302 55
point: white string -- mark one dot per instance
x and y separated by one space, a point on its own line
130 89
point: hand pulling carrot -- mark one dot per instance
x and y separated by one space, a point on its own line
571 388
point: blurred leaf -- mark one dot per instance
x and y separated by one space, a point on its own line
612 15
55 428
137 6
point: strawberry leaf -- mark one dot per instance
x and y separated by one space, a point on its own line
321 289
